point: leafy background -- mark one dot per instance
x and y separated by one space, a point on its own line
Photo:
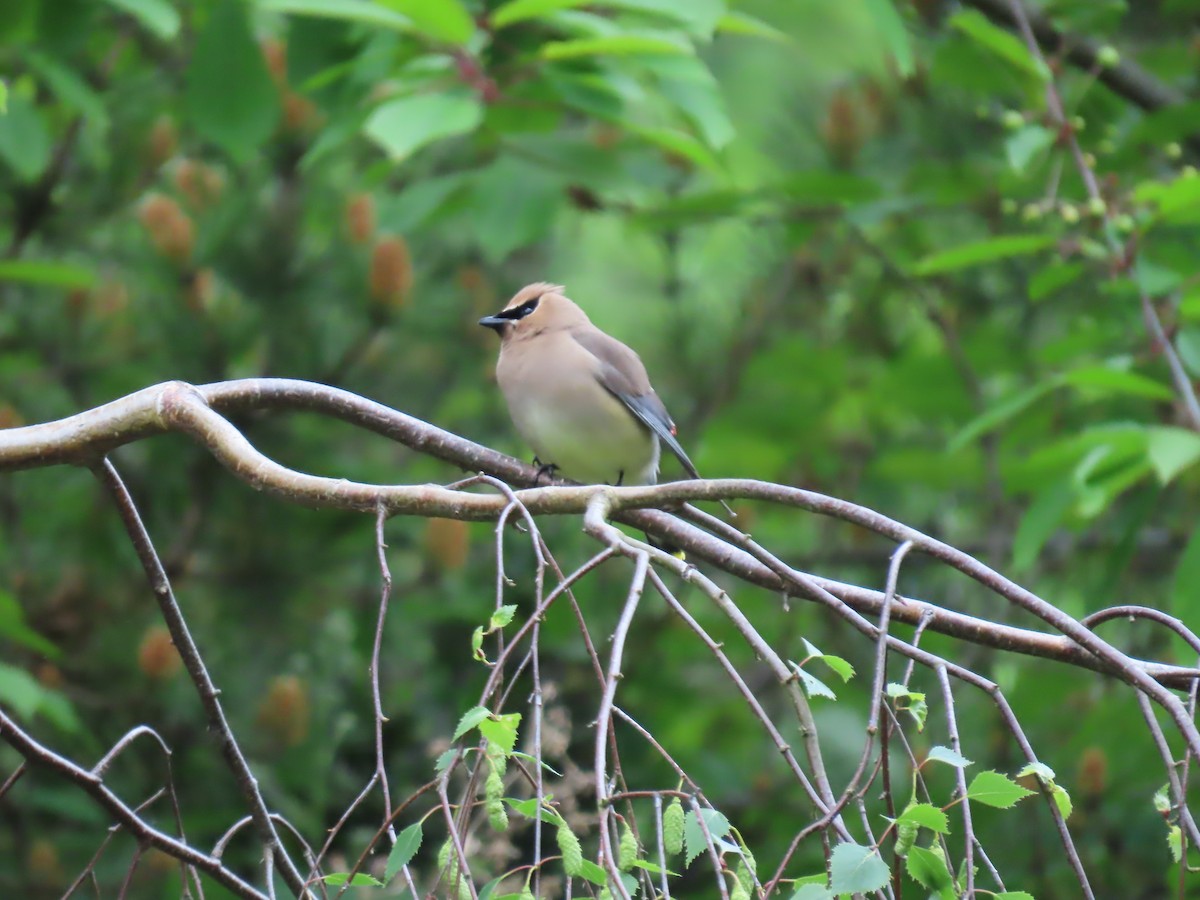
851 249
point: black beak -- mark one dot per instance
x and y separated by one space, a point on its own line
500 319
496 322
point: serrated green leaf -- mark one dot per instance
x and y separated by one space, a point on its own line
1062 800
927 816
503 616
1175 842
996 789
693 835
406 124
444 759
1162 800
501 731
948 756
593 873
533 810
813 686
470 719
929 869
360 879
840 666
1040 769
812 892
856 869
408 842
979 252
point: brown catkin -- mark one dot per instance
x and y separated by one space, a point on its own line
285 709
157 656
169 227
360 218
391 274
447 542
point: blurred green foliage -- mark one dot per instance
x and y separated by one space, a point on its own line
852 250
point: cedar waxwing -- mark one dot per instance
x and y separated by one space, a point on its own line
580 398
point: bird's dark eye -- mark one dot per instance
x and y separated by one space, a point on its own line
526 308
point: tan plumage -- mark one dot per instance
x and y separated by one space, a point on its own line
581 398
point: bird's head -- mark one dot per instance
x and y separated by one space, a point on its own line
535 309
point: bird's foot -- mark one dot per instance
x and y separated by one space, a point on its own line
543 470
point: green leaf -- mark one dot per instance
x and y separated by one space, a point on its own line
1187 345
995 789
1175 842
501 731
980 252
813 686
1002 43
1155 279
1054 277
1026 143
912 702
1162 800
20 691
1169 197
693 836
927 816
1012 895
442 20
13 626
1039 522
1062 800
230 97
513 204
735 22
812 892
1107 380
615 45
444 759
997 415
519 10
158 16
1187 575
3 97
895 35
360 879
408 842
470 719
929 870
1171 450
680 144
364 11
532 809
856 869
41 272
840 666
949 757
75 93
404 125
593 873
502 617
688 84
24 140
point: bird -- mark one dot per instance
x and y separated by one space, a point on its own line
578 396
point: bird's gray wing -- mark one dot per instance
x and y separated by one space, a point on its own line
622 374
